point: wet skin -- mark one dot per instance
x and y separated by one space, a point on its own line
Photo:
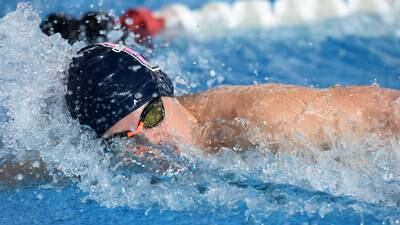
273 114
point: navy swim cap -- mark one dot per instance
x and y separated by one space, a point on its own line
106 82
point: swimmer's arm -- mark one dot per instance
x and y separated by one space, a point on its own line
215 135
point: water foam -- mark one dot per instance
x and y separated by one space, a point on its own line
32 90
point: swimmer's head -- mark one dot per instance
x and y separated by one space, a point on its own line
95 26
107 82
67 26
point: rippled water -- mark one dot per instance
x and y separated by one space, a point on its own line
253 187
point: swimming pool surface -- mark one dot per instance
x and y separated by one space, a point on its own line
255 187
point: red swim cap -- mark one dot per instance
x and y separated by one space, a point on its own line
141 21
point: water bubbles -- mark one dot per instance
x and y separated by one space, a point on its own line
180 80
212 73
136 68
129 21
19 177
115 35
39 196
138 95
375 83
36 164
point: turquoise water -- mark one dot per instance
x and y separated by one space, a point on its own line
255 187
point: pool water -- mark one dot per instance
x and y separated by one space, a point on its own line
253 187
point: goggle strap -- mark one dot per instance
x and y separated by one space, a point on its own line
137 131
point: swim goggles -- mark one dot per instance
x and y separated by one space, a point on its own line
152 116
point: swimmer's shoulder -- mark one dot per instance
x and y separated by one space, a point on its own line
371 90
256 87
229 90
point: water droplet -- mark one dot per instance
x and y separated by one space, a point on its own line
129 21
138 95
19 177
36 164
136 68
39 196
212 73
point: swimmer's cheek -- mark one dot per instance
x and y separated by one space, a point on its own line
154 137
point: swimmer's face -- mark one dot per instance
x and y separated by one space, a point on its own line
148 120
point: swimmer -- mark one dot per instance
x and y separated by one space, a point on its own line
94 27
115 91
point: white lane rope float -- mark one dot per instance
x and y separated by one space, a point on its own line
218 17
